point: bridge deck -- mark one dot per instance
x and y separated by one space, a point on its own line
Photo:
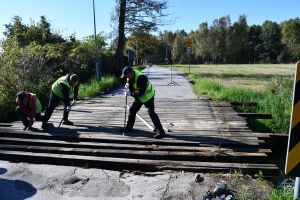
202 136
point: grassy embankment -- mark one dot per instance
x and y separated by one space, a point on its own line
270 86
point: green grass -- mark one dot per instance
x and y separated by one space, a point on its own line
282 192
274 96
94 87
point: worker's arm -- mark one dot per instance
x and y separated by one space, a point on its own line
76 88
142 82
66 94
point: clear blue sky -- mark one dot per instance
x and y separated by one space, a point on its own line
76 16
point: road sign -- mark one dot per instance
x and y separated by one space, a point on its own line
189 49
292 166
188 42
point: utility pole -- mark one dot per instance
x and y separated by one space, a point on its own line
97 65
166 58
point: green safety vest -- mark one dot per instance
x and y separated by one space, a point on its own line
38 104
56 87
149 93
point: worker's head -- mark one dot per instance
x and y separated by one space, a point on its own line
21 97
127 72
74 79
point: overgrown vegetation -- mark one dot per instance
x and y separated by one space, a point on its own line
284 191
33 57
275 98
94 87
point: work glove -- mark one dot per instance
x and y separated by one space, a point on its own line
68 109
126 85
73 102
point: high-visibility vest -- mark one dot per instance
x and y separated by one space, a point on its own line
57 89
149 92
38 104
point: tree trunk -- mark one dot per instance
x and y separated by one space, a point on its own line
121 39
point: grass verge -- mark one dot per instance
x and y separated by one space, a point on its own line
94 87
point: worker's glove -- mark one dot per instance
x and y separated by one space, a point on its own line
127 85
68 109
73 102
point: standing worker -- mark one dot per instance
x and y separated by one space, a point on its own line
28 108
62 90
143 93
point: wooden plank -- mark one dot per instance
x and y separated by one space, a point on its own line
133 164
207 156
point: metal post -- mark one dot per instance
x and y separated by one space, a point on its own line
189 62
297 188
166 58
97 66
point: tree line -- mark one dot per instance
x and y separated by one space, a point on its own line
224 42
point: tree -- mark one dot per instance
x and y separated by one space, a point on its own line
291 37
255 43
271 39
201 44
132 15
143 43
238 41
178 50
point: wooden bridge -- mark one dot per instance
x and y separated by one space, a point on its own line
202 136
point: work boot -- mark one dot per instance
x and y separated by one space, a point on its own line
67 122
44 125
160 134
25 127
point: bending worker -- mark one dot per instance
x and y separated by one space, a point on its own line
28 108
143 93
62 90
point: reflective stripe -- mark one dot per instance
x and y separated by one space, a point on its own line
57 89
149 92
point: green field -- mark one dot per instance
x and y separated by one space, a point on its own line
271 86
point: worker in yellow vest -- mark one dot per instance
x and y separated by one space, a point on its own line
143 93
61 90
28 108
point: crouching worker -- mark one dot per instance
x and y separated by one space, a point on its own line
143 93
28 109
61 91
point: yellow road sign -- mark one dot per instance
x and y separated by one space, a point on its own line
188 42
292 166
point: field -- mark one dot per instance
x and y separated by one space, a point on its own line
270 85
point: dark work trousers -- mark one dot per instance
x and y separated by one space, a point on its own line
53 103
24 118
136 106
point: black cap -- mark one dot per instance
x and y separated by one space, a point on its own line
126 70
21 95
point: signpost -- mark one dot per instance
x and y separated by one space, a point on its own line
292 166
188 45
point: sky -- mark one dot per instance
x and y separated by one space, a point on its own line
76 16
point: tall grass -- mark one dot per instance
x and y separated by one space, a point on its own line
276 100
94 87
282 192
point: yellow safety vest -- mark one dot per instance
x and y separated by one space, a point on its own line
149 92
57 89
